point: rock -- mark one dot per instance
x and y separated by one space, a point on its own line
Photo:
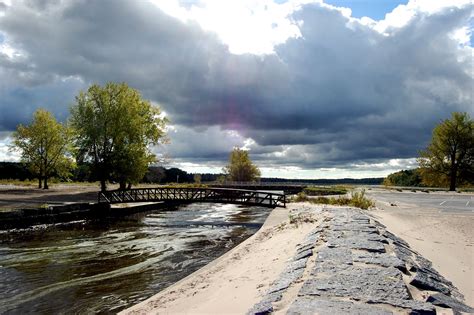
378 224
360 241
423 262
303 254
370 229
405 255
396 240
304 247
426 282
339 255
364 284
265 306
329 268
294 265
315 232
261 308
414 307
305 305
435 276
384 260
285 280
311 239
332 260
359 271
443 300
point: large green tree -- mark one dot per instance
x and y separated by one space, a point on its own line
240 167
114 129
449 158
44 145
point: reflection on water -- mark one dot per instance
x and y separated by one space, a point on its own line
90 267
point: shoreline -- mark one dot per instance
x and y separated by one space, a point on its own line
238 280
220 284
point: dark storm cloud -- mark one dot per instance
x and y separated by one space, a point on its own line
339 94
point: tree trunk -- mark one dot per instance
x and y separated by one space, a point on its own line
123 185
452 182
45 183
103 186
40 182
454 172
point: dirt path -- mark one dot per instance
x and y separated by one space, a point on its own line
15 197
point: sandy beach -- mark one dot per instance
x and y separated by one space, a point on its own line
235 282
447 239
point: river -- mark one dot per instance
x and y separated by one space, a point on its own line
108 265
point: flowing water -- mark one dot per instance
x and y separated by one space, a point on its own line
105 266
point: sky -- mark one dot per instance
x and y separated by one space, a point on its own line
312 88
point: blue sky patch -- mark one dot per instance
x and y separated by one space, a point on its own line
375 9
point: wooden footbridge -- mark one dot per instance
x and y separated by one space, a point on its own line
193 194
288 188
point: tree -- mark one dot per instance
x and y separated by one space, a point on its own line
197 178
114 128
155 174
176 175
240 168
44 145
405 178
449 158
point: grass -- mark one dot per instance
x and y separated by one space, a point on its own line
296 219
429 189
52 181
18 182
182 185
356 199
322 191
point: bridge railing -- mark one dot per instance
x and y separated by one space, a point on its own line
235 183
195 194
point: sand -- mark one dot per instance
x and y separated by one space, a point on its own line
233 283
445 239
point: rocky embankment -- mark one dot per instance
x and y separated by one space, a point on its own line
351 264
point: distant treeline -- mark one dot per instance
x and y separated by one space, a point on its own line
349 181
84 173
162 175
404 178
414 178
12 170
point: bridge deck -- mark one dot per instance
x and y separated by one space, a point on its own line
194 194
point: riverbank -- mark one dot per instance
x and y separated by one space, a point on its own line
309 258
238 278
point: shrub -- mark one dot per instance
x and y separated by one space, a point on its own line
357 199
300 197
